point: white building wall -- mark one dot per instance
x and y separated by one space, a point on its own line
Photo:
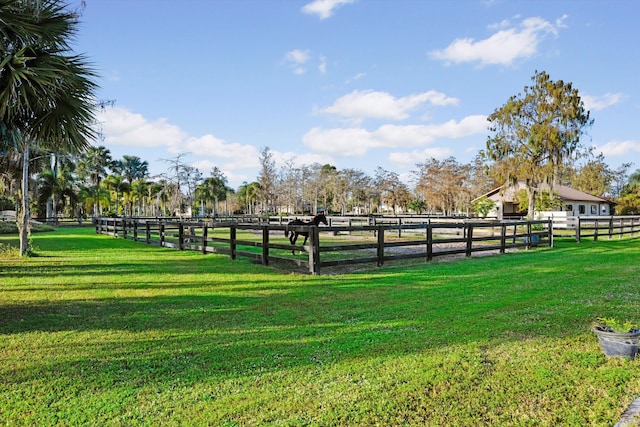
578 208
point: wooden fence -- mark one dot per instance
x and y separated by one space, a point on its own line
595 227
335 245
598 227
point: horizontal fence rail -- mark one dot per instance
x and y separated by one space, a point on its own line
340 245
607 226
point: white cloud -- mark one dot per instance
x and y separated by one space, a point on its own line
350 142
210 146
560 21
355 141
381 105
504 47
355 78
408 158
122 127
297 56
619 148
296 59
470 125
324 8
416 135
300 160
232 175
601 102
323 65
505 23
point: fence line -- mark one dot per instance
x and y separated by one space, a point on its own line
607 226
420 240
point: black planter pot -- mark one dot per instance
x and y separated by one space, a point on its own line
616 344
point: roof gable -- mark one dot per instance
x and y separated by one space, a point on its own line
565 193
568 193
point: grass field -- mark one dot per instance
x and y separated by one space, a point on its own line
103 331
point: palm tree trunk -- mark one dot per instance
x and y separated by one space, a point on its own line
54 195
23 220
96 203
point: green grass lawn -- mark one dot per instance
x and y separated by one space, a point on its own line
103 331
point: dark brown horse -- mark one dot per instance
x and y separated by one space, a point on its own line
293 235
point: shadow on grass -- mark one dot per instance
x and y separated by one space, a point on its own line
260 321
251 329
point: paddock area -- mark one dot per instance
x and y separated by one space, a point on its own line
334 248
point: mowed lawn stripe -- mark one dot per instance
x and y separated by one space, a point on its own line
97 330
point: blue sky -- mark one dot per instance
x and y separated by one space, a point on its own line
354 83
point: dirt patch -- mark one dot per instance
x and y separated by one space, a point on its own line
441 253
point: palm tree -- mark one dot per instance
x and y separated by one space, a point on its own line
253 193
248 195
154 191
139 191
118 186
164 192
94 163
59 187
131 168
92 168
46 93
93 197
213 189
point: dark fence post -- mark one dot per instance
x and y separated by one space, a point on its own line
528 238
161 229
503 237
578 232
265 244
469 231
595 230
135 230
550 225
232 240
610 227
380 251
204 238
124 228
148 232
314 250
180 236
429 242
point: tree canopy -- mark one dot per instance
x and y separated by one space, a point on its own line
46 91
534 133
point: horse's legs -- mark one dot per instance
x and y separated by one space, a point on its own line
292 239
